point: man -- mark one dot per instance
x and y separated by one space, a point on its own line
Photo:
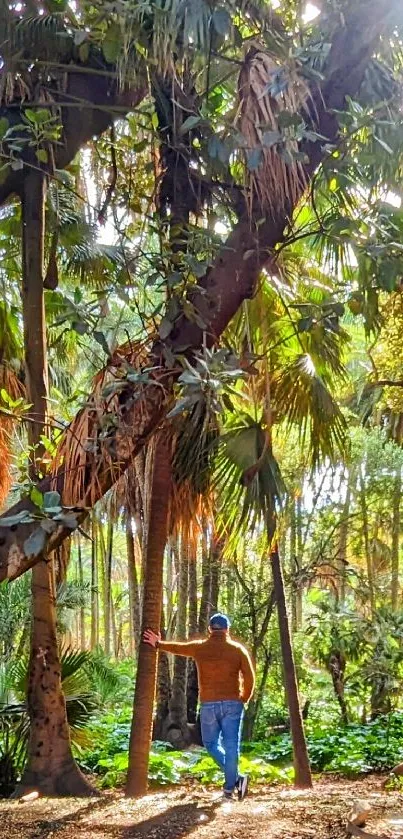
226 684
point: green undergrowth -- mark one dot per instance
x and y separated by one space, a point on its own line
350 751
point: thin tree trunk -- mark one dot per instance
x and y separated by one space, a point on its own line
303 778
134 589
94 585
108 587
365 531
177 730
300 555
293 564
81 582
397 490
192 690
215 566
206 583
343 538
163 690
157 529
50 767
336 667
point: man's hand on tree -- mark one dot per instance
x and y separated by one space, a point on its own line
152 638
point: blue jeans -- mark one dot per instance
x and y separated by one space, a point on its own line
221 727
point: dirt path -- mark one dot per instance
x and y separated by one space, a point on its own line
268 813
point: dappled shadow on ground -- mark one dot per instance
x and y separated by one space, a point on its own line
191 812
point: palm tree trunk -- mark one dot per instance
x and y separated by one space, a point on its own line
397 489
343 537
365 531
300 552
192 689
216 562
293 564
50 767
134 590
206 583
94 585
157 529
81 582
177 729
303 778
163 690
106 570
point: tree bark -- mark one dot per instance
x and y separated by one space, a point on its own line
397 490
81 582
177 731
134 591
157 529
367 548
163 690
206 583
343 537
303 778
94 585
218 295
192 689
50 767
215 570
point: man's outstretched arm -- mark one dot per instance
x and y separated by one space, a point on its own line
185 648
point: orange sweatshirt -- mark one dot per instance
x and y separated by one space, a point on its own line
224 667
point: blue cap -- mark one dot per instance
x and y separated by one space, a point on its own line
219 621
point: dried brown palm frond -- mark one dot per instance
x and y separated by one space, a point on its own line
79 448
268 91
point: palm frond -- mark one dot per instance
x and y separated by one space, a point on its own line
301 398
248 482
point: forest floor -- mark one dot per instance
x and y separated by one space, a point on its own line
179 812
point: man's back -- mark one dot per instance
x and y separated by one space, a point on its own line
224 668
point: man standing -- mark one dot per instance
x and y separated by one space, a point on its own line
226 684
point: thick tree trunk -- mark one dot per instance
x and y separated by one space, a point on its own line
397 490
303 778
192 689
81 582
157 529
353 45
50 767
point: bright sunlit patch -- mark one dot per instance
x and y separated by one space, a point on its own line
220 228
275 4
309 365
310 13
393 199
